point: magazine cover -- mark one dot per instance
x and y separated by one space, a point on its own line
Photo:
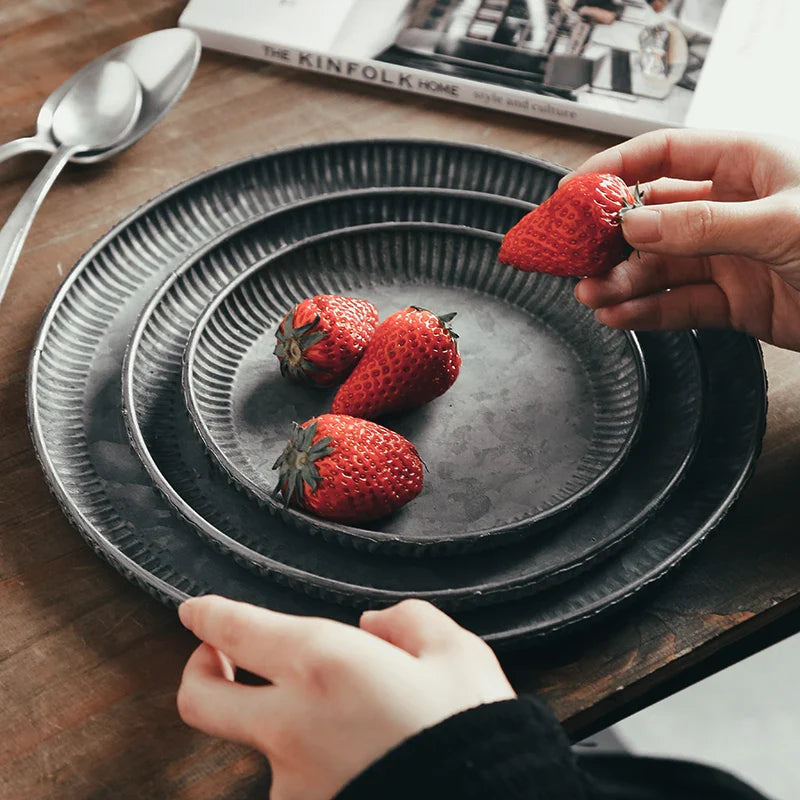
621 66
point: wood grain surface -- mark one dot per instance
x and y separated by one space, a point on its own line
88 664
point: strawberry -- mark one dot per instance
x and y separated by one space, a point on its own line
321 339
411 359
576 231
347 469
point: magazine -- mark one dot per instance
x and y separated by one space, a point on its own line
619 66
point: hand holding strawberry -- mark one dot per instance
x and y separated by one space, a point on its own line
322 338
576 232
411 359
347 469
721 231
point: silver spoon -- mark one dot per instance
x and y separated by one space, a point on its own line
163 61
98 112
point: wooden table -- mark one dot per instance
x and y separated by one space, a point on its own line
89 664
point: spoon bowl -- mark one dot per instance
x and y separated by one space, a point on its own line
100 110
163 61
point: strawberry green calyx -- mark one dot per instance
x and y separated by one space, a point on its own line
293 343
296 463
638 200
444 319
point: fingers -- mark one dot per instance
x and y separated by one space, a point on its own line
640 275
275 646
675 153
673 190
414 626
261 641
698 306
703 227
422 630
209 701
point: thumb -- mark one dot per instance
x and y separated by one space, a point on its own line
414 626
702 228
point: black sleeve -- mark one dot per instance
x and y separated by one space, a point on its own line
514 750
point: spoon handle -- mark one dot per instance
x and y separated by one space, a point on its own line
26 145
15 231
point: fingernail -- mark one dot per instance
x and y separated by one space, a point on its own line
185 614
613 275
642 225
368 614
600 315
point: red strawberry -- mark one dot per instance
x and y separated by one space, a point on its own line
348 469
321 339
411 359
576 231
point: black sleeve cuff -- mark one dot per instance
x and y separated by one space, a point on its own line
514 749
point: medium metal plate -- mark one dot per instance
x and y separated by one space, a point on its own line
177 463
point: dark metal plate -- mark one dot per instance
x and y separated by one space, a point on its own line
178 465
80 437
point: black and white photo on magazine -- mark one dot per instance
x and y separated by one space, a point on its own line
632 57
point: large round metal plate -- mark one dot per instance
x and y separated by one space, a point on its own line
80 436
